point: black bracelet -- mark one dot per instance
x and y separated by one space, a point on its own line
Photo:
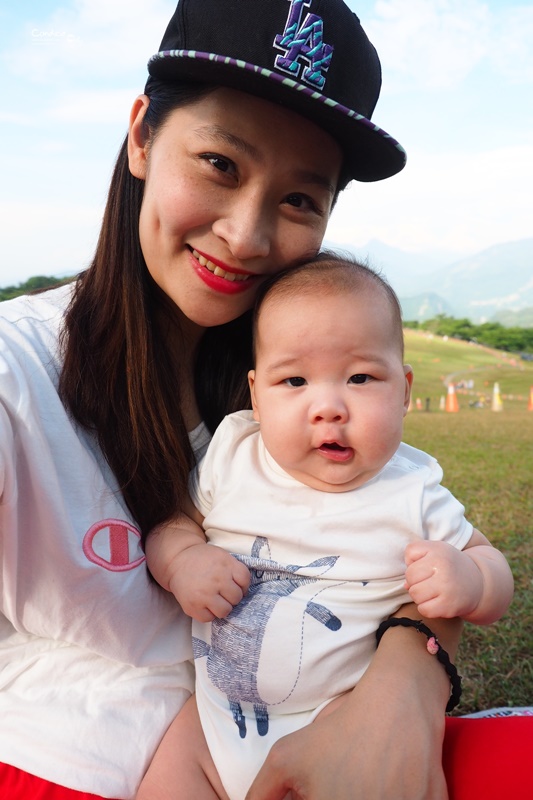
433 647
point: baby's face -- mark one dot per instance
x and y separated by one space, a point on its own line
329 388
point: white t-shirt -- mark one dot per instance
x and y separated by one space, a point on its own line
93 654
326 569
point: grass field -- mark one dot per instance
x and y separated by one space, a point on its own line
487 459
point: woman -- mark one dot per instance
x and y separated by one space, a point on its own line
254 116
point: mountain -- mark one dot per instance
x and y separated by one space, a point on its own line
515 319
425 306
480 287
404 271
497 279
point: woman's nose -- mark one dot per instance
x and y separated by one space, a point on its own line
246 227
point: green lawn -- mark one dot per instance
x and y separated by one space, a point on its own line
435 361
487 459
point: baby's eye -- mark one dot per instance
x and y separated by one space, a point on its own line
295 381
360 378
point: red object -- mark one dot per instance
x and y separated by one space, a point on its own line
489 758
15 784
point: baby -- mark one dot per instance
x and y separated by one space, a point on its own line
319 524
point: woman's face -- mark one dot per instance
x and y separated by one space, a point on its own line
236 188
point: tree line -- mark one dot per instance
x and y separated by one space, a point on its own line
35 284
490 334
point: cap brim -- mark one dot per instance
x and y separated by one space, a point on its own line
371 153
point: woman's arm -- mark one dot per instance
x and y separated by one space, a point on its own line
385 741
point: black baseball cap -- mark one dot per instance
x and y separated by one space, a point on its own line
311 56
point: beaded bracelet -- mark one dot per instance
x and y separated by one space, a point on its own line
434 648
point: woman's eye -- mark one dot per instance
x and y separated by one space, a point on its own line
360 378
295 381
220 163
301 201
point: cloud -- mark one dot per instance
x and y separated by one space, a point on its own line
51 249
453 201
94 107
17 216
89 38
13 118
433 43
513 55
436 44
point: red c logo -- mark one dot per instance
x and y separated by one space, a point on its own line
114 545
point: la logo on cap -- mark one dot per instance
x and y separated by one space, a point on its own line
304 40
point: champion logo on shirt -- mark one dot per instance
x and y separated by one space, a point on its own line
114 545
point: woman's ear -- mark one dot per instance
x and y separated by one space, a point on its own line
251 384
137 145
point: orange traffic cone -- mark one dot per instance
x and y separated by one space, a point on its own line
451 400
530 404
497 404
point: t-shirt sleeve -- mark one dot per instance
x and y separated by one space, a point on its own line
202 482
10 397
4 435
443 516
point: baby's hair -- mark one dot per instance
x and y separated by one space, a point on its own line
328 273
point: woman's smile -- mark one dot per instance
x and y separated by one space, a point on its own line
220 277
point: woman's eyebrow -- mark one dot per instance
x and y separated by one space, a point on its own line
218 132
315 179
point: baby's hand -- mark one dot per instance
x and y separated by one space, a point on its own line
208 582
443 581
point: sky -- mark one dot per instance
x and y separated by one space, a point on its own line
457 93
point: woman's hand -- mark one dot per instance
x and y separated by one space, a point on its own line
384 742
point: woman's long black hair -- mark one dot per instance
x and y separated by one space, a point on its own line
119 379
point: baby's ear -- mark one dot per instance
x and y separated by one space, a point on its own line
408 372
251 384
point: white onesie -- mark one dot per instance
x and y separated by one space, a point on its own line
326 569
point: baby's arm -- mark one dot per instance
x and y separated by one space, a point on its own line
205 580
475 584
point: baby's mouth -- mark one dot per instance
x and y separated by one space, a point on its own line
218 271
335 451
